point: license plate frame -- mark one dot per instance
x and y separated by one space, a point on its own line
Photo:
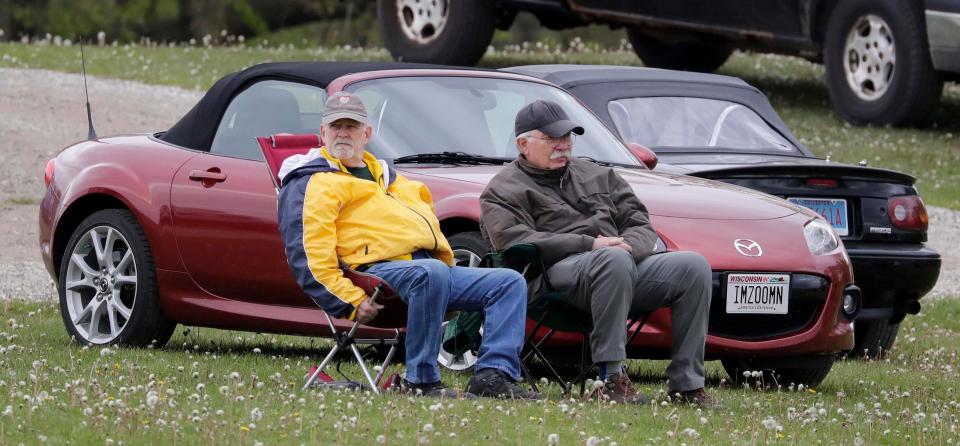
833 210
757 293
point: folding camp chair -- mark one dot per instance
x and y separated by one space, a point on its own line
276 149
552 311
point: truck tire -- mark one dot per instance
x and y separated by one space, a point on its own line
449 32
873 339
687 56
878 65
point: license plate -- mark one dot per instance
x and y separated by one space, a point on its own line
758 293
834 211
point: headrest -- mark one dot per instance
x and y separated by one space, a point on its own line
287 140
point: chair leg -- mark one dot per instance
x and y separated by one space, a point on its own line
363 368
323 364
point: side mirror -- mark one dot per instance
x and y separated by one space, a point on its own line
645 155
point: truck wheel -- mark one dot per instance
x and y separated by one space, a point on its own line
436 31
878 64
873 339
687 56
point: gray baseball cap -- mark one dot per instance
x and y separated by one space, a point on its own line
546 116
343 105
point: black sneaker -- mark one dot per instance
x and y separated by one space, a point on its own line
496 384
436 390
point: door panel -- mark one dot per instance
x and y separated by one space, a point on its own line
225 218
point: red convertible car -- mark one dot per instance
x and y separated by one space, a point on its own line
142 232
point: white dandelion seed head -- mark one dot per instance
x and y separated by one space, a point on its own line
105 351
553 439
428 427
593 441
256 414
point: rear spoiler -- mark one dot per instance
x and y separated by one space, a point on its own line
814 170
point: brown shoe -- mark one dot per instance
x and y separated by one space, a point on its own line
620 389
697 397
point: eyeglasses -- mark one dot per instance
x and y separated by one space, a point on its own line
557 140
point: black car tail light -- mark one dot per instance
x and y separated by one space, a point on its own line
48 173
907 212
822 182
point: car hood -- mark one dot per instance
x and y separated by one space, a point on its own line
726 165
665 195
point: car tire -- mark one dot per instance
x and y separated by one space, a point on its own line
687 56
888 84
873 339
806 370
437 31
111 298
469 248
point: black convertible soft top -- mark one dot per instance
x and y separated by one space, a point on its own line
596 85
196 129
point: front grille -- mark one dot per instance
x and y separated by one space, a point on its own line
808 293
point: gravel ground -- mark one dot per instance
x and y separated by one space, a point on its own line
42 112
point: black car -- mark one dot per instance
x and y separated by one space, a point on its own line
885 60
721 128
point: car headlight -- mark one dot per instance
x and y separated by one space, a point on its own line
821 239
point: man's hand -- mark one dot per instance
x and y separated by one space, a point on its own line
367 310
611 242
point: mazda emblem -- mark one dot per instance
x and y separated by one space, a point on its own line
748 247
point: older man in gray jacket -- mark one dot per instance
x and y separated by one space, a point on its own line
596 242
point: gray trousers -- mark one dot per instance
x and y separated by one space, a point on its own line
609 285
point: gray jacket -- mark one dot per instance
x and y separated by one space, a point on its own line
562 211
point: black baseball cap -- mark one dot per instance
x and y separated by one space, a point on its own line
547 117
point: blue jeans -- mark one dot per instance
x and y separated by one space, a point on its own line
430 288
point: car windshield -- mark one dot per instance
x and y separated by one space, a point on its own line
470 115
671 123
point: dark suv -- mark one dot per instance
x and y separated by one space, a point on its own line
886 60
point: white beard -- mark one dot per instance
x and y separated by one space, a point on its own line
341 151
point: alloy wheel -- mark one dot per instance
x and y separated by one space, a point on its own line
101 284
869 57
422 21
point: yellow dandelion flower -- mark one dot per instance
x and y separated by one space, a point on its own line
245 429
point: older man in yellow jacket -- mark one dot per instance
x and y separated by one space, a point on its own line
339 202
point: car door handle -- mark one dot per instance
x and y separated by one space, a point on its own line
212 175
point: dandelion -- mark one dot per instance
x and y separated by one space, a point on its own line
235 376
105 351
771 424
152 399
256 414
8 411
224 390
593 441
690 432
553 439
256 350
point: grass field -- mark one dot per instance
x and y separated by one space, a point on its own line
214 387
795 87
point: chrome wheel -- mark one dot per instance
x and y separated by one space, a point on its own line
456 362
101 284
422 21
869 57
465 257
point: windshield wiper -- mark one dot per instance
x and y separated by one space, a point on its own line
451 158
598 162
